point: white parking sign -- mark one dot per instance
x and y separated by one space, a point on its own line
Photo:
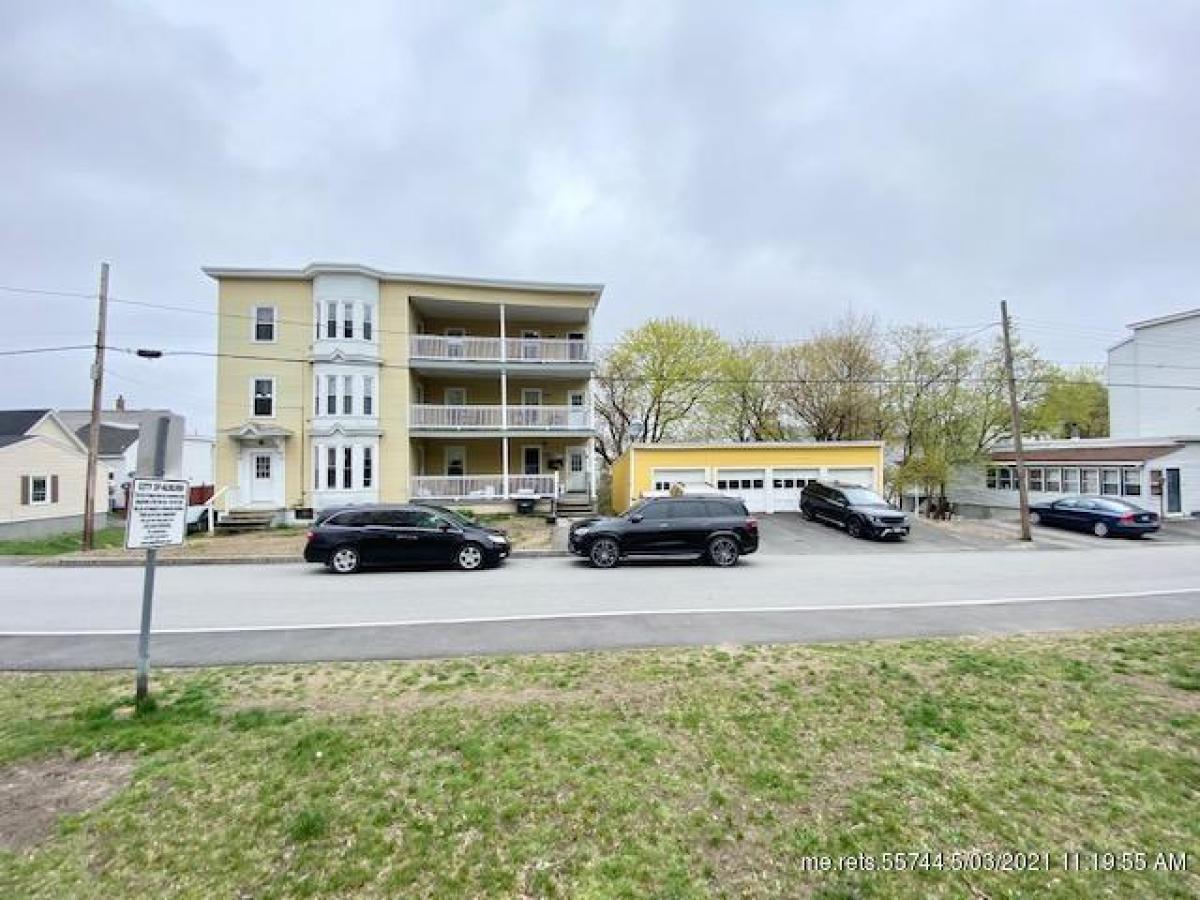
157 513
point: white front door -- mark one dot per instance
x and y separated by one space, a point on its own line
264 476
577 468
577 415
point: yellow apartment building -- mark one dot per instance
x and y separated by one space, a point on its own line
341 384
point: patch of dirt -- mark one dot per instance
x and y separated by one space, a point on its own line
34 794
1177 698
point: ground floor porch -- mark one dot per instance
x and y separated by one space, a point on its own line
482 469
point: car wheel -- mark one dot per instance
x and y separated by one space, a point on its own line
854 528
344 561
469 557
1100 529
604 553
1035 518
723 552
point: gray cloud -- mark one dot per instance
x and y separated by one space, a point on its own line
760 167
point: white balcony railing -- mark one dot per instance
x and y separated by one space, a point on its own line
467 348
482 487
488 349
425 415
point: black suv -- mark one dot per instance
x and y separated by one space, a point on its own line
861 511
361 536
717 529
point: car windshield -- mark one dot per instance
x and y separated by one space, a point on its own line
863 497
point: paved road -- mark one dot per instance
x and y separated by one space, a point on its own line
83 617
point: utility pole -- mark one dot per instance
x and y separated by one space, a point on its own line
1015 408
89 496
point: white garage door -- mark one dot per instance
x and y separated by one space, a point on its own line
748 484
863 477
787 484
662 479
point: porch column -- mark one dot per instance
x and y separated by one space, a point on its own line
504 397
504 462
591 468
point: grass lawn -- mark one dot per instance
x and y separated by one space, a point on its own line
681 773
62 543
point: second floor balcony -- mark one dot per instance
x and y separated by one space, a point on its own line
490 349
477 417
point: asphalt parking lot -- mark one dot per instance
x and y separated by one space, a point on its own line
788 534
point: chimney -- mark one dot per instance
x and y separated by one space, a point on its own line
120 404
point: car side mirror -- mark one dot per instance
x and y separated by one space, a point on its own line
636 517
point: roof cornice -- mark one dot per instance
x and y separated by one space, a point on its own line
329 268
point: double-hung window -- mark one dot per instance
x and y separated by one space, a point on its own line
367 472
347 320
1131 482
1053 480
1005 480
331 319
347 467
1110 482
347 395
368 398
368 322
264 324
331 395
264 397
1070 480
1035 479
331 467
39 489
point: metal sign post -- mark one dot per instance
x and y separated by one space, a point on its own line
157 517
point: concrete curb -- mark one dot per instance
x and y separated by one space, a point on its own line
121 562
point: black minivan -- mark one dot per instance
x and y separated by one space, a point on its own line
861 511
407 535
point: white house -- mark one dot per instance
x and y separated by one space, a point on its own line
1152 457
43 473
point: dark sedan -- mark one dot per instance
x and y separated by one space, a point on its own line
408 535
1101 516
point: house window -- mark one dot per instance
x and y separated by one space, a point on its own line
264 323
1004 479
347 395
347 467
368 394
331 319
1070 481
991 477
367 470
347 320
531 396
39 489
1090 480
1035 479
264 397
331 395
1131 482
368 325
317 467
1053 480
331 467
1110 481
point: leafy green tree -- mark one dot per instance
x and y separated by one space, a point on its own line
656 376
1075 405
744 403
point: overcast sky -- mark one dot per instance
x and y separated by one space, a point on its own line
758 167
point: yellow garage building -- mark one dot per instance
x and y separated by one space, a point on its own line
767 476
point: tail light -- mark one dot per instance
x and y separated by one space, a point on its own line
310 535
1128 517
752 523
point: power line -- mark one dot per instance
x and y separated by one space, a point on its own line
27 351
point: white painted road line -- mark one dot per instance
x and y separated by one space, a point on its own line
608 614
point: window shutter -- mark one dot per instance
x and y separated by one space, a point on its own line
24 490
53 488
